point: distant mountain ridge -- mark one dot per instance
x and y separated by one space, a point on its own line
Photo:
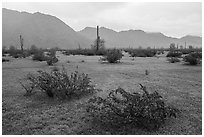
44 31
47 31
139 38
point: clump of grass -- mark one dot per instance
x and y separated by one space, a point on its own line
121 108
146 72
59 84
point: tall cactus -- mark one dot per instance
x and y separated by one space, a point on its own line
98 39
21 44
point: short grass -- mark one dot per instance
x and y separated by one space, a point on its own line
180 85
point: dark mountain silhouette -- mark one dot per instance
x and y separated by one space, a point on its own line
44 31
138 38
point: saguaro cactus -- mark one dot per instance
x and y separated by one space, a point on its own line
21 44
98 39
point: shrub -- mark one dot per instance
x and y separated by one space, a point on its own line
186 51
33 50
14 52
85 52
39 56
5 60
174 54
141 52
17 55
173 60
197 55
52 57
120 108
113 55
59 84
52 60
101 52
138 54
192 59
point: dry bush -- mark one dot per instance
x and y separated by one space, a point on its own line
39 56
59 84
113 55
193 58
120 108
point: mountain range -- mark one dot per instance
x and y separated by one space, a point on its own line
46 31
139 38
39 29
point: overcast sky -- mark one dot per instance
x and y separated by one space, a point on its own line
172 19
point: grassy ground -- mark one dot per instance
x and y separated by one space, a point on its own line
180 85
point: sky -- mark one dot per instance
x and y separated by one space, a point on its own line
175 19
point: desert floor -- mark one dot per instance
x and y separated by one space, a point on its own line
179 84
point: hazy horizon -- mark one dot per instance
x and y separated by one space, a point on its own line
172 19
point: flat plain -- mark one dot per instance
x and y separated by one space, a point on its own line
179 84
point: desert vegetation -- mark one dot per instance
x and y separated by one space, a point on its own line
141 52
121 108
59 84
96 94
193 58
109 80
113 56
173 59
89 97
